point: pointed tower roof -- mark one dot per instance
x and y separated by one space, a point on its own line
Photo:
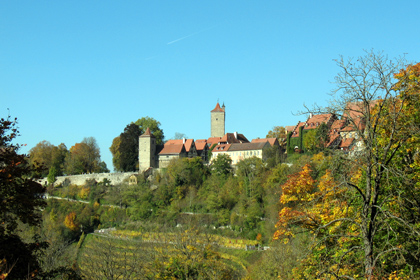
147 133
218 108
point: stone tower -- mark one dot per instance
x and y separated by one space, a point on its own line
147 151
218 121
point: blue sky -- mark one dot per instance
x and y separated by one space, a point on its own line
75 69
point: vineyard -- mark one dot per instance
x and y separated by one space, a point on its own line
124 254
160 237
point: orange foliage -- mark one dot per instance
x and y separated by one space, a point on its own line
70 222
309 204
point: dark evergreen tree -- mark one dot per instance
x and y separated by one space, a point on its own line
129 147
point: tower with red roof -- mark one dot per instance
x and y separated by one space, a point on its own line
147 150
218 121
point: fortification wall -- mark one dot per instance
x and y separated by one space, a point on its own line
115 178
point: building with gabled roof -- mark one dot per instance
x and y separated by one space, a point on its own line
230 138
202 149
189 145
241 151
170 152
295 137
271 141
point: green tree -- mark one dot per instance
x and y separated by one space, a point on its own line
129 148
222 165
310 141
273 155
20 202
250 171
153 125
59 154
315 140
125 148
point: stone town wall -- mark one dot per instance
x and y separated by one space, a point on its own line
115 178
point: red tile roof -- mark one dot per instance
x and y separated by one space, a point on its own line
233 138
356 109
172 149
218 108
221 148
289 128
346 143
333 138
188 143
295 132
200 144
213 140
316 120
147 133
357 125
272 141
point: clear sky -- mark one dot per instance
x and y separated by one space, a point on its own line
75 69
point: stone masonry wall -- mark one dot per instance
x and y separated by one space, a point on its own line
115 178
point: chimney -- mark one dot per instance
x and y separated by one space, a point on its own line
236 134
183 140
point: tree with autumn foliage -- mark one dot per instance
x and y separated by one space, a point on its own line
71 222
48 156
370 227
278 132
20 203
84 157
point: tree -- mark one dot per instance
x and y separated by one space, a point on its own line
41 155
278 132
273 155
20 202
222 165
316 140
116 154
129 148
48 156
192 255
153 125
125 148
179 135
379 220
71 222
84 157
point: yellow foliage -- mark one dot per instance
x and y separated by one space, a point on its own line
84 192
71 223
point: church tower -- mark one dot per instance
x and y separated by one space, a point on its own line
218 121
147 151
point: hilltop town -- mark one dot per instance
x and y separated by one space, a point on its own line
339 133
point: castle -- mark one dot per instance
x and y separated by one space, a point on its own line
236 145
